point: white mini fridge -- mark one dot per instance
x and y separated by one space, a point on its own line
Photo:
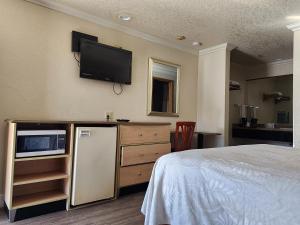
94 164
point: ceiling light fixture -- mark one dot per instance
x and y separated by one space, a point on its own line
124 17
180 37
294 17
196 43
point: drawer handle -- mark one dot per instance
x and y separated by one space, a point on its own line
156 153
142 155
140 135
139 174
155 134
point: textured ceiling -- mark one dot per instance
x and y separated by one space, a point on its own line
256 27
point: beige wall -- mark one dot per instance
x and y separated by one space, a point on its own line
296 90
213 94
39 78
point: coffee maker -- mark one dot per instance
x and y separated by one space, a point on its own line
243 115
253 116
248 115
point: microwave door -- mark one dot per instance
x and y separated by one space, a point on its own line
39 144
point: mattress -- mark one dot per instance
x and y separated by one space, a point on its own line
240 185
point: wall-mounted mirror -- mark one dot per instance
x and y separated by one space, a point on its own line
163 88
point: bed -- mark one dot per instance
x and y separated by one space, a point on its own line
240 185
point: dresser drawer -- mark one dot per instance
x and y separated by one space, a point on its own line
144 134
131 175
132 155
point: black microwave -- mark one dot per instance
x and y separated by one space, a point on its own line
40 143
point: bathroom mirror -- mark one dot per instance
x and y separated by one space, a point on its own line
163 88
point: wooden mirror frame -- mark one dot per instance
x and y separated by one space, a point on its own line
150 89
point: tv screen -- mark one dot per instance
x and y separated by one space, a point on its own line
103 62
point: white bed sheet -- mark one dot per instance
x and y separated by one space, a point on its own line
240 185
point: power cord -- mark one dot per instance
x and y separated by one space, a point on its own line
121 89
77 60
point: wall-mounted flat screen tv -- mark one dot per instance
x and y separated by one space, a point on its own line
103 62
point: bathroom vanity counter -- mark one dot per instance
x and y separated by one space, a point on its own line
282 134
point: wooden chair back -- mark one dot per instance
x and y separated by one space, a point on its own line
184 135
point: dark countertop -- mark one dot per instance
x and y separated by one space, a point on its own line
282 134
281 129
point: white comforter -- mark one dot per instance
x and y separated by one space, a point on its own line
242 185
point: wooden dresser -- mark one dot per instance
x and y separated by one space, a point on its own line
140 146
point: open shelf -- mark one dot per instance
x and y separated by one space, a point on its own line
27 172
42 157
38 177
38 198
38 193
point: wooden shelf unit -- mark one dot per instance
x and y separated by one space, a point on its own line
39 177
38 193
36 180
42 157
38 198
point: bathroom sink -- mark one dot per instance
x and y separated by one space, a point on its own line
277 127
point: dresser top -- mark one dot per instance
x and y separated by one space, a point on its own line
143 123
134 123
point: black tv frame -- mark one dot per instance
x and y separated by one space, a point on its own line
89 76
77 37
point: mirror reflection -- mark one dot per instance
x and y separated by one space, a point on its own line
163 88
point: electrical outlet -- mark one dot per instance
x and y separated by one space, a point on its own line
109 115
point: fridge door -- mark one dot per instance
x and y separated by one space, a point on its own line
94 164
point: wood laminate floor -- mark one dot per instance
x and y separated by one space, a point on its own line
124 211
